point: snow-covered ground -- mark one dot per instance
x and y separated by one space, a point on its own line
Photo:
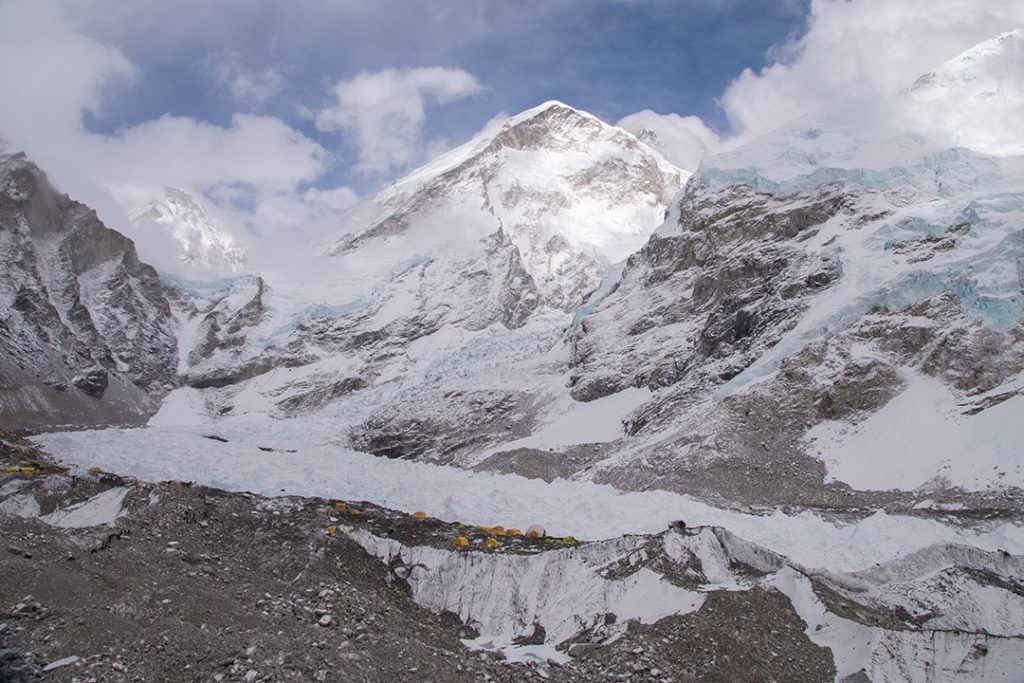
923 435
582 509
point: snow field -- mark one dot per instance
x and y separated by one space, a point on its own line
922 435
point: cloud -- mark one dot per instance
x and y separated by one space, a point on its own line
683 140
383 112
51 73
310 208
234 168
61 74
853 67
262 152
249 86
856 57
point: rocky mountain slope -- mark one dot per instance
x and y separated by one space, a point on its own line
86 335
810 278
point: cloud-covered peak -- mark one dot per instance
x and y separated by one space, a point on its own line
977 98
205 245
856 57
990 67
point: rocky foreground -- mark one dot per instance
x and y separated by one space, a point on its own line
190 583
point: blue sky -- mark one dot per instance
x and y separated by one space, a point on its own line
278 115
611 58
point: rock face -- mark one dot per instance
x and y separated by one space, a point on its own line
85 330
710 292
810 277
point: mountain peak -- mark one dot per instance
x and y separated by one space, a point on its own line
570 192
546 109
204 241
552 123
977 97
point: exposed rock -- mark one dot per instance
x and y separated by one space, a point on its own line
710 291
438 428
79 310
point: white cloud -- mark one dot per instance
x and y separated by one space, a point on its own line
384 111
51 75
259 151
307 210
856 57
682 139
61 73
853 67
250 86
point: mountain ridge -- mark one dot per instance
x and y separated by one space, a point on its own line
86 333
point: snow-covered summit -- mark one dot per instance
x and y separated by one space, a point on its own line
987 66
205 243
977 96
571 193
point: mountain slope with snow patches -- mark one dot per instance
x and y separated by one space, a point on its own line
85 331
811 277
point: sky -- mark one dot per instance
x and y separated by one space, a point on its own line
279 115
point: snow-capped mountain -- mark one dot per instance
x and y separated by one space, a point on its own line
799 284
205 243
570 193
498 241
85 330
978 96
821 334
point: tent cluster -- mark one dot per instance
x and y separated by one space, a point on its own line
25 469
339 508
343 508
479 535
492 537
